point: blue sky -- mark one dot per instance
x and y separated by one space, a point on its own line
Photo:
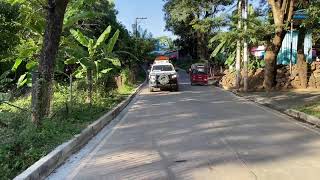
152 9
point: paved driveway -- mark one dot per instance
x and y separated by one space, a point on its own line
200 133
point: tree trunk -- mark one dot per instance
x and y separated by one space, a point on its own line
89 86
200 54
272 51
302 64
238 57
245 48
282 12
42 81
205 50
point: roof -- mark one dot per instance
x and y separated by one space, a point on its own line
162 63
198 64
162 58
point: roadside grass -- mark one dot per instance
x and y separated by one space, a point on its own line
22 143
311 109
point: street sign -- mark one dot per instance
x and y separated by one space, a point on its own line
300 15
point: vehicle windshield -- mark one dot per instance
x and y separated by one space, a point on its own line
162 68
199 71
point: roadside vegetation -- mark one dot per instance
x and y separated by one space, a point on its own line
60 70
242 40
224 33
311 109
22 143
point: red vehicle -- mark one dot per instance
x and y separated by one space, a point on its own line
199 74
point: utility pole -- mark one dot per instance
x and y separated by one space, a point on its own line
245 47
136 33
136 44
136 25
238 57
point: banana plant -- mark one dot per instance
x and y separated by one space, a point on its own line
91 61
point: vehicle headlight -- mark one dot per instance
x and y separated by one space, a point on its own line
174 76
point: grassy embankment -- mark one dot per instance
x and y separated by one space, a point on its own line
311 109
22 143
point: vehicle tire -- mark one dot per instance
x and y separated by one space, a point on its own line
175 88
163 79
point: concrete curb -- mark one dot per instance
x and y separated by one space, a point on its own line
46 165
290 112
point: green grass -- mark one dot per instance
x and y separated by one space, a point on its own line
22 143
311 109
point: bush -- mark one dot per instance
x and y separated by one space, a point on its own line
22 143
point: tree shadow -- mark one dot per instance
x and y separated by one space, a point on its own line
203 132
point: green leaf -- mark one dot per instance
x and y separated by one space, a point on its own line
102 37
112 42
215 38
230 59
29 80
91 49
82 15
81 38
4 97
31 65
70 61
4 75
79 74
105 71
22 80
86 63
16 64
115 61
218 48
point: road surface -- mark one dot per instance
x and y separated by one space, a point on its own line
198 133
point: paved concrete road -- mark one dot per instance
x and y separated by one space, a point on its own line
200 133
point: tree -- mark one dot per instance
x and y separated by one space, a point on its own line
92 46
311 23
9 28
226 43
282 12
194 21
42 84
165 42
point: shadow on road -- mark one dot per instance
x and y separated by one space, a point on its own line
203 130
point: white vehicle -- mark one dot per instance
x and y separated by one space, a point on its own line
163 75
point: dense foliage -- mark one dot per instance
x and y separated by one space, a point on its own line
211 27
193 22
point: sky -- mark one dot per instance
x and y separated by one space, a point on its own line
128 10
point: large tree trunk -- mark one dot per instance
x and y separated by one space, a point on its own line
205 50
200 43
282 11
302 64
42 87
271 60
